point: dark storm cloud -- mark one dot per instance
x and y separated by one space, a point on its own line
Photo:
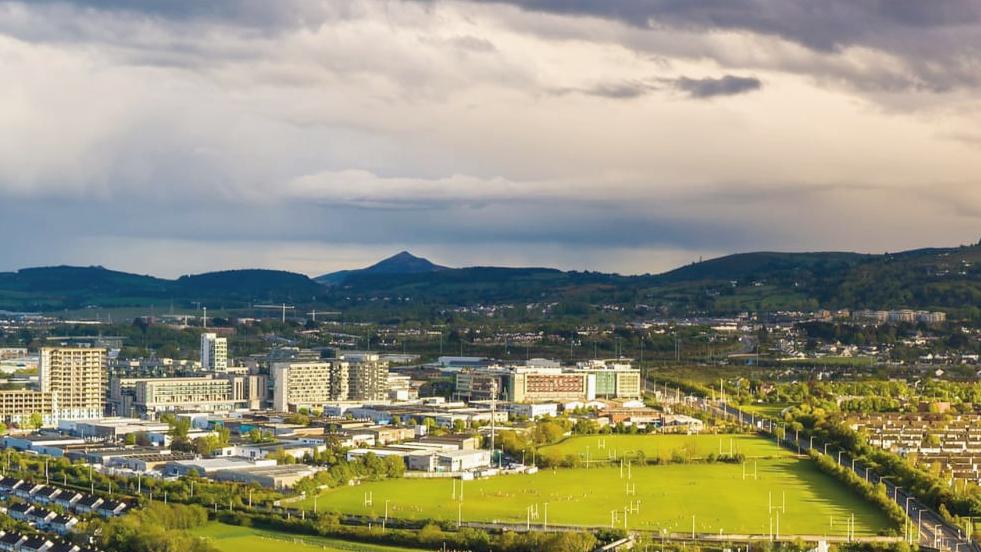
728 85
826 25
938 42
820 25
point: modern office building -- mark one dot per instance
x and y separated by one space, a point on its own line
76 377
214 353
552 384
153 396
614 379
481 385
148 397
541 382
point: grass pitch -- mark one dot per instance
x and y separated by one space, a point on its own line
666 497
232 538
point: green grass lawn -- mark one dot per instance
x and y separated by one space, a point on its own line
232 538
609 447
765 409
717 494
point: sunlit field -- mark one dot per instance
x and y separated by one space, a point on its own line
232 538
719 496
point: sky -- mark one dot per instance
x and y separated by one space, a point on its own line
178 136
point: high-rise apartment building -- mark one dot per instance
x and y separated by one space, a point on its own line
368 379
76 377
214 353
308 384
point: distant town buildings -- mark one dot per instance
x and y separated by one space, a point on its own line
901 315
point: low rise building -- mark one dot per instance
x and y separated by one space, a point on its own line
51 444
272 477
208 466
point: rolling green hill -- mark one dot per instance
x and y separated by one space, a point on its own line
938 278
67 287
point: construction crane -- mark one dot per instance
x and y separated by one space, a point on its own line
313 314
284 306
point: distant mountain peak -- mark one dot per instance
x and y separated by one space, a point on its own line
404 262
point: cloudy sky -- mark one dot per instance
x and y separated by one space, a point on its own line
176 136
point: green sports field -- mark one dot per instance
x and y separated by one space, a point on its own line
232 538
603 448
718 495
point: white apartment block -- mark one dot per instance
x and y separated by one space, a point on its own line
76 378
214 353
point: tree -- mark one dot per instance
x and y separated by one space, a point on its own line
36 420
298 418
256 435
